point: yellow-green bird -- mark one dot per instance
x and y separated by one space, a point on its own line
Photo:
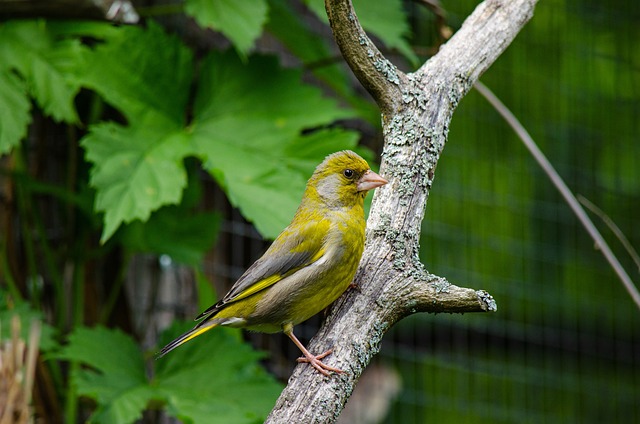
308 266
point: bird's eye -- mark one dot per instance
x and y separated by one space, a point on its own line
348 173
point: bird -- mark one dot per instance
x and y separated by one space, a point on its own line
308 266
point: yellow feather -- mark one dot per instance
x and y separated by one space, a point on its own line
259 286
186 337
310 264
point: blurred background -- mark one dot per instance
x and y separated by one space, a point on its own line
564 345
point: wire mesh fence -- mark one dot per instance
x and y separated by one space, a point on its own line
564 345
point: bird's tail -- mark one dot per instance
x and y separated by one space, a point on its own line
199 329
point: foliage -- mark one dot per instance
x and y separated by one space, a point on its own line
207 382
383 19
146 120
109 135
43 62
241 23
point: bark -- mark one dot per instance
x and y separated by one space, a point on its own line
416 112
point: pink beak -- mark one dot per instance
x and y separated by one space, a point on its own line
369 181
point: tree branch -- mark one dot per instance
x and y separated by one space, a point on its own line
380 77
416 110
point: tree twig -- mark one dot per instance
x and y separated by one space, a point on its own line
564 190
624 241
378 75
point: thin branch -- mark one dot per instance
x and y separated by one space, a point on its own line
483 37
381 78
444 31
354 330
563 189
613 227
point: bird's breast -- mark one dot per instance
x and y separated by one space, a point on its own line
313 288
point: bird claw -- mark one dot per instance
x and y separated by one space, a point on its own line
315 362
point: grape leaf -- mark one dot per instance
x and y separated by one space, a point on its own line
36 62
174 231
139 168
307 45
383 18
133 179
48 64
144 73
15 107
180 231
214 379
241 22
247 126
116 379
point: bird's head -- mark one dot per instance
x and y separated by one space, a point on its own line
343 179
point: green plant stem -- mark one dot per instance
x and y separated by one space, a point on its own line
25 213
71 180
14 291
614 229
96 109
78 294
564 190
71 399
77 318
115 290
52 270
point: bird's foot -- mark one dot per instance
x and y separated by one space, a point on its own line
354 286
315 362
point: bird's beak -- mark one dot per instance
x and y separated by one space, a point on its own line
369 181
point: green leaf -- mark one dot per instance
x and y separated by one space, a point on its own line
240 21
174 231
41 59
116 379
385 19
15 107
307 45
144 73
49 65
178 231
214 379
317 57
137 169
247 126
95 30
134 178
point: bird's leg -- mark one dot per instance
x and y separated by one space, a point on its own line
313 360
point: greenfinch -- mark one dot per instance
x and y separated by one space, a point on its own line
308 266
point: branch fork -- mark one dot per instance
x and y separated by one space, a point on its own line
416 111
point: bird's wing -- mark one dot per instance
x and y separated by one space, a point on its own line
291 251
